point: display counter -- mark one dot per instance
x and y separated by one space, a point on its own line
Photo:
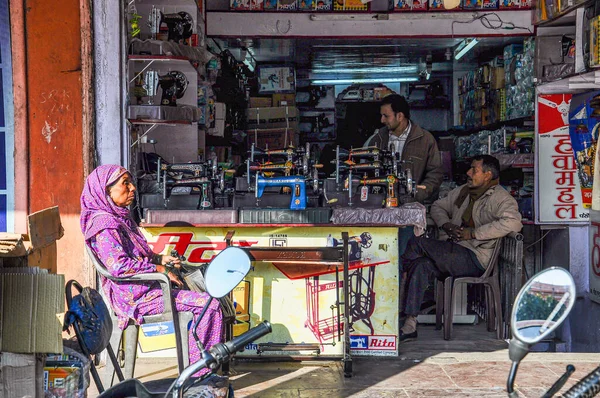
301 292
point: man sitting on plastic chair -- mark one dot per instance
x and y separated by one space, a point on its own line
471 219
116 241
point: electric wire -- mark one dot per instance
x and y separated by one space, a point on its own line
491 20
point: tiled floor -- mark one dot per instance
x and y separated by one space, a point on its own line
474 364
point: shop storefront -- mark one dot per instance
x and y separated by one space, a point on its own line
233 119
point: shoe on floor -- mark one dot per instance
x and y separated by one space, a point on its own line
403 337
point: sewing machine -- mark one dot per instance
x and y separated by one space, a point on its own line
146 83
206 183
273 170
173 86
369 177
179 25
296 184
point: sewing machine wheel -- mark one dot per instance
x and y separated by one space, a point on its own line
182 83
366 240
222 180
315 181
187 25
410 183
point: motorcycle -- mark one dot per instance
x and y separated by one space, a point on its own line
540 307
221 276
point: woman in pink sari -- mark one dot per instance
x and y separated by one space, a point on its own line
112 234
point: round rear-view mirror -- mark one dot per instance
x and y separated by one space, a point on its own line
542 305
226 271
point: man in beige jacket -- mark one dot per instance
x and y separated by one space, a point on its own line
471 219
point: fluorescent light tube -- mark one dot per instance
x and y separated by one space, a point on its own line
382 69
358 81
466 45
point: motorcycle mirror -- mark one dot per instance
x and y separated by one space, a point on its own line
542 305
226 271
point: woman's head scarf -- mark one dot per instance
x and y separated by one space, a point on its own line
99 212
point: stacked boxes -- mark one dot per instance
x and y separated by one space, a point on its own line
519 74
595 41
480 96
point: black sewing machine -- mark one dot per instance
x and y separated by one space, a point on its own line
173 86
368 177
188 186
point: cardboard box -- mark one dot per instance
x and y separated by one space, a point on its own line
29 304
595 41
272 139
497 80
38 249
260 102
284 99
269 118
21 375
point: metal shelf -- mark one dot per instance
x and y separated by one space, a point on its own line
584 81
563 18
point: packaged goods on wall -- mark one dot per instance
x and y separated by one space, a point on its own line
584 122
280 5
410 5
499 141
246 5
595 42
555 57
480 4
436 5
481 96
315 5
514 4
350 5
519 74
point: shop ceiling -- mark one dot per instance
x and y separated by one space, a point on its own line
382 57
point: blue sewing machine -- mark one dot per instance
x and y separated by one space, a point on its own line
297 184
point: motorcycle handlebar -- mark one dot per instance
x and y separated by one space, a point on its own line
223 351
216 355
586 387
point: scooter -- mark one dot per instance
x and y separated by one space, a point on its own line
222 275
540 307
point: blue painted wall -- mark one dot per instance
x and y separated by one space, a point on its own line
6 125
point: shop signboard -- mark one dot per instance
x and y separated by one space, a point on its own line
559 198
584 120
299 300
595 233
